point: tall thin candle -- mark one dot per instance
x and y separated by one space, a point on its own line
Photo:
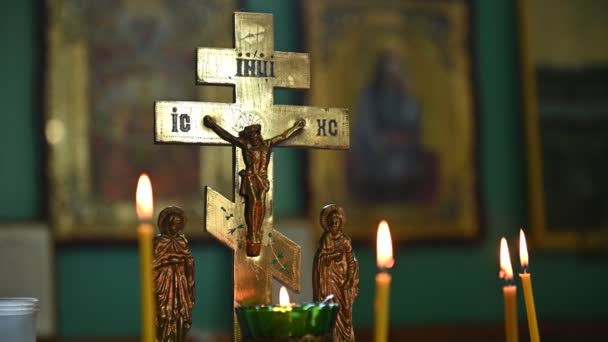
526 282
384 258
145 231
509 292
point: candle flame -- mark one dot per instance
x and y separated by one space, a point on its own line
523 249
506 270
384 246
143 198
283 297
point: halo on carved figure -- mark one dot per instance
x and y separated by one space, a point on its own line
246 119
327 210
167 213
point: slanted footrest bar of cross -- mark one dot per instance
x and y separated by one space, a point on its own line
221 220
286 260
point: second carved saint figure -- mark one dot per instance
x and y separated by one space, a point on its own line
336 270
173 277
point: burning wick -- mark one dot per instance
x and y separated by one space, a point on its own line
284 304
506 270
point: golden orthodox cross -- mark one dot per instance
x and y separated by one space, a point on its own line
254 68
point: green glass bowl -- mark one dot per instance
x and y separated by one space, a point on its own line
305 319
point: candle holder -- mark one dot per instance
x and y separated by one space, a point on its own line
299 322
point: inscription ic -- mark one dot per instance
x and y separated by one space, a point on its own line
182 119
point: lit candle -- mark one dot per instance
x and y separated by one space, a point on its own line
145 210
509 292
284 302
384 259
526 283
267 322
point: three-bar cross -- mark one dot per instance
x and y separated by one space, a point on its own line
254 68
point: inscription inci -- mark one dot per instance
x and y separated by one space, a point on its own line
254 67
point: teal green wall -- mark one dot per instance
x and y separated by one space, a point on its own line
97 285
20 183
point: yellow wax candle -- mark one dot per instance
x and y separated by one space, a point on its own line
509 292
384 259
526 282
145 233
383 289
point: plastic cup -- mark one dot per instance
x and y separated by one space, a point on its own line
18 319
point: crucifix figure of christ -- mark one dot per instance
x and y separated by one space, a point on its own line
254 69
254 178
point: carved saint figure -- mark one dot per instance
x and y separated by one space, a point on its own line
336 270
173 277
254 179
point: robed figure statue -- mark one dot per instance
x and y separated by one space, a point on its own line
173 277
336 270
